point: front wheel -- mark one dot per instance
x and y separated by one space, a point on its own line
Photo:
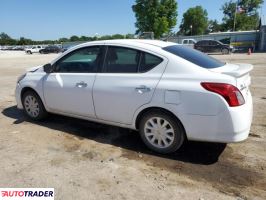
33 106
161 132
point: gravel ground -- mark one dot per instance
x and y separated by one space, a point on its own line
85 160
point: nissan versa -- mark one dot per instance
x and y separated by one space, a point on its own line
170 93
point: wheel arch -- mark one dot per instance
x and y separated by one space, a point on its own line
159 109
26 89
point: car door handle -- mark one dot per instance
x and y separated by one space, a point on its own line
81 84
141 89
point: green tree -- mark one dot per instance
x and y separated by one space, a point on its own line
194 22
246 18
214 26
129 36
60 40
6 39
118 36
158 16
24 41
74 38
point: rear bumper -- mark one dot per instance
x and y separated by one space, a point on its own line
232 125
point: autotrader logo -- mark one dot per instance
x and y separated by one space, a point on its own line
27 193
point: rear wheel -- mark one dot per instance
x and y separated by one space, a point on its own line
161 132
33 106
225 51
29 52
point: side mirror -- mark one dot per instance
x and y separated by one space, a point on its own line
48 68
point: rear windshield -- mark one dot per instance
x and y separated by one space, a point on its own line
194 56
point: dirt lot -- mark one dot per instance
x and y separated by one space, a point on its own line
84 160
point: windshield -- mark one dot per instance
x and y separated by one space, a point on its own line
194 56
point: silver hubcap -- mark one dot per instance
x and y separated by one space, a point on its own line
159 132
31 106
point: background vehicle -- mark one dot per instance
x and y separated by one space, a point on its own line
166 91
213 46
50 49
33 49
189 42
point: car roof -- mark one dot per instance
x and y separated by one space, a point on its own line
135 42
208 40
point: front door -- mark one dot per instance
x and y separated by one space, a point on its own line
128 81
69 88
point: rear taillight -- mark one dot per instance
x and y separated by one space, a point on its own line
229 92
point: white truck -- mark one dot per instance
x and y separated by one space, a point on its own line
189 42
33 49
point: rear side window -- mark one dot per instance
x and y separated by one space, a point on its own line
148 62
194 56
121 60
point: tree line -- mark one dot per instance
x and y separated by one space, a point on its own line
160 17
5 39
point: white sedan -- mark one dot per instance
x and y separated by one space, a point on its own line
170 93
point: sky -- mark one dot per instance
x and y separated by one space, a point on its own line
53 19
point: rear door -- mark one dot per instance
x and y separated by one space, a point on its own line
128 81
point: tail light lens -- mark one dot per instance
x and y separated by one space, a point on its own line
229 92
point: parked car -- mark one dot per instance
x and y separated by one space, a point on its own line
189 42
213 46
33 49
50 49
18 48
166 91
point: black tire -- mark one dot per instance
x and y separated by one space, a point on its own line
225 51
41 114
178 134
41 52
29 52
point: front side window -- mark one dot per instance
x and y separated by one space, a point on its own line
121 60
194 56
84 60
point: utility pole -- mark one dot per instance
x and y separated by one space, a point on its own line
235 16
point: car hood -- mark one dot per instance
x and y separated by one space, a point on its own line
34 69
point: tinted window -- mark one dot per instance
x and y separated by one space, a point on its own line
148 62
191 42
214 43
194 56
121 60
207 42
185 42
84 60
201 42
